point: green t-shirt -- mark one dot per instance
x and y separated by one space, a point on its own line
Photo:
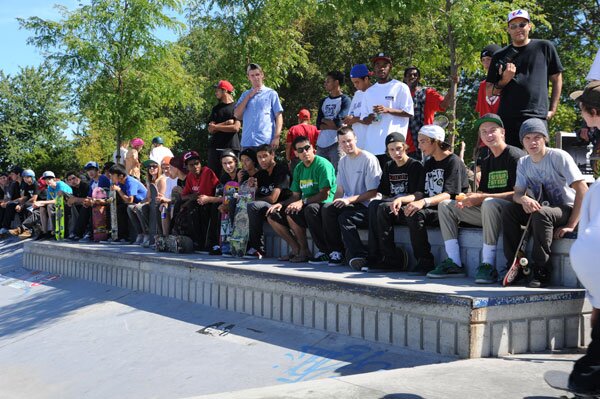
309 181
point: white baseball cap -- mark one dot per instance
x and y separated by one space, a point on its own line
433 131
48 174
518 14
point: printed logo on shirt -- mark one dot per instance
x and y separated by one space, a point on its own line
398 183
195 189
329 111
306 183
434 182
498 179
264 191
390 98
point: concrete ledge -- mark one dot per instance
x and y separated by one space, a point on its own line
471 243
454 318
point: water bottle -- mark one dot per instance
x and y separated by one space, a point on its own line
163 212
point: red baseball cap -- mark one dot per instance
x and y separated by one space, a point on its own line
304 114
188 156
225 85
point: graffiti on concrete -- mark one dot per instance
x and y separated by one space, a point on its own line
24 279
218 329
312 362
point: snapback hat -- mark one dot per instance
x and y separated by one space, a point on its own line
533 125
91 165
381 56
590 95
304 114
489 50
177 162
228 152
518 14
225 85
190 155
489 118
360 71
48 175
394 137
433 131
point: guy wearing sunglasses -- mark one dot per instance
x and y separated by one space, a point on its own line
313 185
520 72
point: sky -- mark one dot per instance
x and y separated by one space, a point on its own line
13 46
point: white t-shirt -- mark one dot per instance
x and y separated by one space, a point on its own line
171 184
393 94
355 110
123 155
594 73
158 153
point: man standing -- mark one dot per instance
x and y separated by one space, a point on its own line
332 109
551 175
357 181
260 111
313 185
303 128
426 102
222 126
485 104
360 77
159 151
520 73
483 208
387 107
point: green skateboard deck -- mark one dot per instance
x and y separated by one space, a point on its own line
59 217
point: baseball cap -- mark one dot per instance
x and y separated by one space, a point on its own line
304 114
158 140
149 162
590 95
518 14
91 165
48 174
489 50
166 160
394 137
28 173
433 131
381 56
228 152
250 153
489 118
190 155
533 125
225 85
177 162
360 71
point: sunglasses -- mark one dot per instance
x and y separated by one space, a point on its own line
519 25
300 150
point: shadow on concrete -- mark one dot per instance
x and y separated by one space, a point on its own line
401 396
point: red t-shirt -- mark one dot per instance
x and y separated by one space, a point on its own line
302 129
433 101
483 106
205 183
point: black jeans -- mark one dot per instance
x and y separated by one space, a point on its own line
341 228
256 217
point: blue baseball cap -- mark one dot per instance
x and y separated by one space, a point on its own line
28 173
91 165
359 71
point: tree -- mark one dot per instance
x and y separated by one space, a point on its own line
123 75
34 113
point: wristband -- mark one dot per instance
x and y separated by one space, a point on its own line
427 202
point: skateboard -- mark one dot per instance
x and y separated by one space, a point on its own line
560 380
174 243
520 261
154 226
114 227
229 191
241 226
59 217
99 216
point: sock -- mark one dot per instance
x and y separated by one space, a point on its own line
453 251
488 255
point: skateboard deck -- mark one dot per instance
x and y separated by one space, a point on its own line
154 213
114 227
59 217
560 380
174 243
229 191
241 226
100 228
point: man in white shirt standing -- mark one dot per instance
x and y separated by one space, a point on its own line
159 151
360 76
386 107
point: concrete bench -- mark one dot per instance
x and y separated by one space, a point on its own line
471 242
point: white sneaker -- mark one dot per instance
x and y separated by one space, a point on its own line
335 258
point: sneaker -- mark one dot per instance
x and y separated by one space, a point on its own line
146 241
86 238
539 278
215 250
422 267
253 253
486 274
25 234
319 259
358 264
335 259
447 269
3 231
139 240
585 377
227 254
15 232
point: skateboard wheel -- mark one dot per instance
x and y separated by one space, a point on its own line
526 271
523 262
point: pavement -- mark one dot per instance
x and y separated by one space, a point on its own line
67 338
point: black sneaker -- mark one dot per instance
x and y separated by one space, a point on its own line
215 250
540 278
422 267
358 264
335 259
585 378
319 259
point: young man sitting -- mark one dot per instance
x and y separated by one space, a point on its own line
129 191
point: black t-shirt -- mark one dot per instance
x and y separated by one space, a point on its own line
14 190
226 178
446 176
29 190
221 113
402 180
81 191
498 175
279 178
181 182
526 95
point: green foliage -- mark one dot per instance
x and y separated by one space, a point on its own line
34 113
